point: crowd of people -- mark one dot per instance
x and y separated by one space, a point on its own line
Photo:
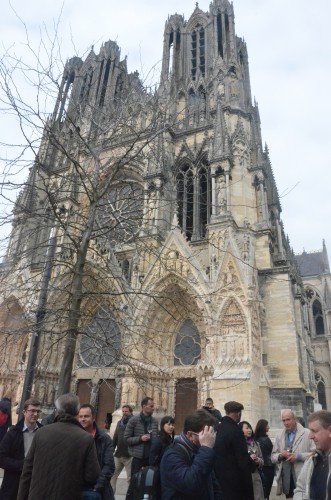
215 457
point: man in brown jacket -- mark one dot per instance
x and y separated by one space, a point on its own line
62 461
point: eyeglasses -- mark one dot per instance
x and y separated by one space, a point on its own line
34 411
198 433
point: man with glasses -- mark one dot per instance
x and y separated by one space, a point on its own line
15 446
233 467
187 466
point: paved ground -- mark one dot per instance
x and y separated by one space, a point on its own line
121 488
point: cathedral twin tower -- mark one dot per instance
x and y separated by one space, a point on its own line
190 288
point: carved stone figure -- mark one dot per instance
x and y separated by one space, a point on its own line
152 204
221 195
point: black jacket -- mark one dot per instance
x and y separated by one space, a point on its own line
233 466
12 460
104 447
119 442
158 447
266 448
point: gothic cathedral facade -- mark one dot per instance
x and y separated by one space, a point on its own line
191 288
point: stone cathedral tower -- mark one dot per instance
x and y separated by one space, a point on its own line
210 300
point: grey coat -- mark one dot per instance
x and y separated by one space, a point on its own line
134 430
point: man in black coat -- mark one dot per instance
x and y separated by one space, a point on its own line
233 466
104 447
15 446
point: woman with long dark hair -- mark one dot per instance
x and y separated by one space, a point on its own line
261 436
162 441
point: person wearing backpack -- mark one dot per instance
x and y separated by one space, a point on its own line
138 435
187 466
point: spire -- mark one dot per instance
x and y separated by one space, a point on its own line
325 258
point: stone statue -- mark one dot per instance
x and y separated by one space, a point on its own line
221 194
234 86
152 200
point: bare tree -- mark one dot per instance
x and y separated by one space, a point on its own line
85 190
147 216
93 200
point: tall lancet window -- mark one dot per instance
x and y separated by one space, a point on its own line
318 317
204 200
194 200
194 52
198 58
185 199
65 98
104 84
86 86
219 34
171 51
202 57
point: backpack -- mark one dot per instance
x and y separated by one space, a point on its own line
148 481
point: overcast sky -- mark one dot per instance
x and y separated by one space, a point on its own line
289 51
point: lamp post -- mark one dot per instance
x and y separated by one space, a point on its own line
40 316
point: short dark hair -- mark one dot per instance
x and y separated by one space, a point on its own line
233 407
88 405
31 402
209 399
129 407
323 416
144 402
196 421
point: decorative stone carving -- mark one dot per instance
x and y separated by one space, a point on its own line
233 340
221 195
151 211
187 348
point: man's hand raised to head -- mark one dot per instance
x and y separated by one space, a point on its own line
207 436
